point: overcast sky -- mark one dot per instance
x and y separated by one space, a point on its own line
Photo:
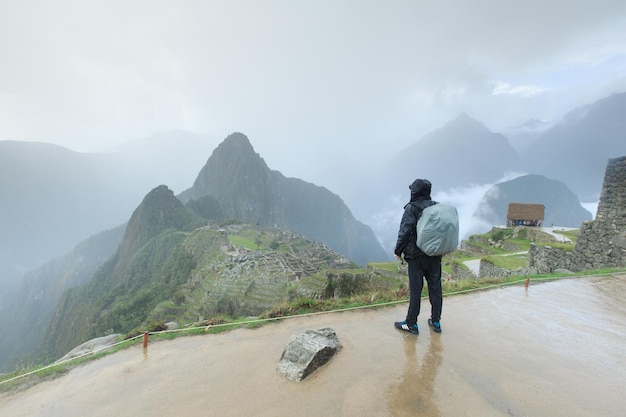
311 78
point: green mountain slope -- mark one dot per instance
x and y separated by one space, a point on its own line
145 266
171 265
33 306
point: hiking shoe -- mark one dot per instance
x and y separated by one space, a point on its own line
435 325
403 325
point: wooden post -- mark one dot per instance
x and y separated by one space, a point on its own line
527 282
145 340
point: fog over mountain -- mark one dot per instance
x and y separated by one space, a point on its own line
234 186
463 151
523 136
347 102
52 198
248 190
173 158
34 301
327 92
576 149
338 83
562 207
461 159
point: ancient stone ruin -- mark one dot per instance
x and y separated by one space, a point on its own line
524 214
601 243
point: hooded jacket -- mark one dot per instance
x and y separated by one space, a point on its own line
420 199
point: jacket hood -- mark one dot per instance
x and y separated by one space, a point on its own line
420 189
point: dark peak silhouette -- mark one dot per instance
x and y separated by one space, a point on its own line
606 110
465 121
233 162
246 189
465 134
239 179
236 148
463 145
239 141
158 211
576 149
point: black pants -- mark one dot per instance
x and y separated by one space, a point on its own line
428 267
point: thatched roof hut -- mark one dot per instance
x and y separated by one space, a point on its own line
525 214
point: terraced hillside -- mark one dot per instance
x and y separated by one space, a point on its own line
503 251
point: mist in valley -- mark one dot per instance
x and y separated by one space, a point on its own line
101 104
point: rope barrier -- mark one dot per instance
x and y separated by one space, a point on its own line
73 358
255 321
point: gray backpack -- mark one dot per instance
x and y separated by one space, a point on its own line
438 230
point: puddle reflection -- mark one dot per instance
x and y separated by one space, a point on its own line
414 394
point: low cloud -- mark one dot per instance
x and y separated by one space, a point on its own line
591 207
386 222
525 91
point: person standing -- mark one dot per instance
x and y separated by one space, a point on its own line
420 265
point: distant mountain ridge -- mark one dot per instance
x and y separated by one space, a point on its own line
577 149
460 153
248 190
52 198
33 305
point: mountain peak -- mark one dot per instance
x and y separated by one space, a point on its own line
236 144
465 144
235 148
464 116
576 149
159 210
232 169
237 139
242 187
466 122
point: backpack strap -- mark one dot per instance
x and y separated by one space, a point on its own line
420 205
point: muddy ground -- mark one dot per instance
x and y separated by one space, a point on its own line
555 349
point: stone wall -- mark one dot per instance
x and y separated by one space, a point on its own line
374 271
546 259
601 243
461 272
535 234
487 269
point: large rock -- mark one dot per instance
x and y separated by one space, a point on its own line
92 346
307 352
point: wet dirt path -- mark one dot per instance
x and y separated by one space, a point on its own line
556 349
